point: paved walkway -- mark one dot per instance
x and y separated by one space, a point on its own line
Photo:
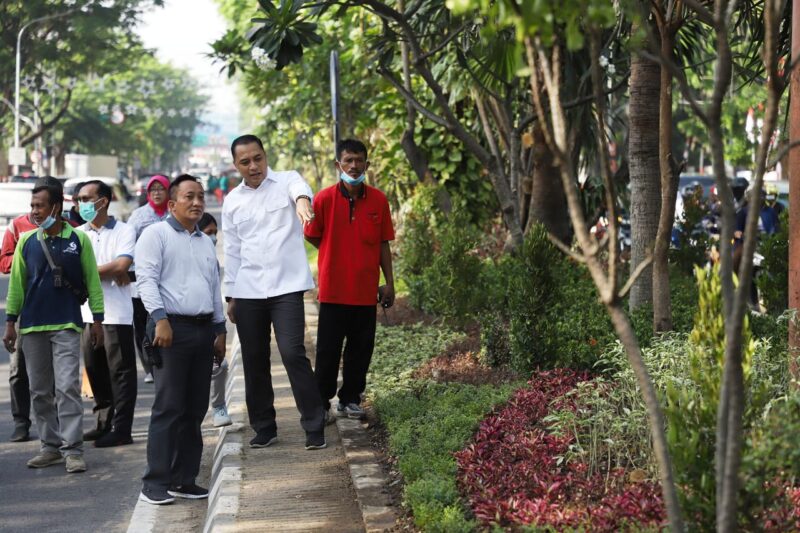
285 487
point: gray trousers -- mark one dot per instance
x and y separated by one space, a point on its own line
219 378
53 361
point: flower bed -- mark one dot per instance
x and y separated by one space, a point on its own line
514 474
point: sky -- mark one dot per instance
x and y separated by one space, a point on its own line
180 32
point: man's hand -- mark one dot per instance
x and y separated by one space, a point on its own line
386 295
231 312
304 211
219 348
96 331
10 337
163 335
122 279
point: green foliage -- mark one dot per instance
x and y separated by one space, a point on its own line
773 279
282 32
401 349
98 38
87 128
426 421
610 426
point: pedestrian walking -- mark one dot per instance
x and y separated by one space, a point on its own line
155 210
53 272
110 367
178 280
266 273
219 371
18 385
352 229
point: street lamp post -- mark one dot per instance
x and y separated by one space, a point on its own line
16 80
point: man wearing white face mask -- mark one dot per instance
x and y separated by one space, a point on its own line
352 230
53 272
111 366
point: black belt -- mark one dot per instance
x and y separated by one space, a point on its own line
194 319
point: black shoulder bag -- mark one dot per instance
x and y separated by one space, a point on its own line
59 279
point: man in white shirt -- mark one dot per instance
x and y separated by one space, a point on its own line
266 273
111 366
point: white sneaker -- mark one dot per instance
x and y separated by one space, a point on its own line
221 417
148 378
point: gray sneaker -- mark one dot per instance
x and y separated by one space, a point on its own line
351 410
75 464
45 459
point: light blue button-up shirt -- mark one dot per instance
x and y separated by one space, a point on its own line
177 273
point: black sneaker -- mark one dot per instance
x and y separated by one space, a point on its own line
315 440
94 434
190 492
113 439
156 496
264 438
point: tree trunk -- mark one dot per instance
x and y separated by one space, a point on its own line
645 176
548 203
662 305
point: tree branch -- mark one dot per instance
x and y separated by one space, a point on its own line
46 125
580 258
447 40
679 75
424 111
637 272
703 14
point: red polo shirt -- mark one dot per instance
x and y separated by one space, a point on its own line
352 230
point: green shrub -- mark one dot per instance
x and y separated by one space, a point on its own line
610 425
773 279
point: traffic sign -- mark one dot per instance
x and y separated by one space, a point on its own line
16 156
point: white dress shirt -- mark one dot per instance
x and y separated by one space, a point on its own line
177 273
115 239
265 255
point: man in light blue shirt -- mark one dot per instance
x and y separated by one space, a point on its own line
178 280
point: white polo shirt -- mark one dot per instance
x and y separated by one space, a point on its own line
115 239
265 254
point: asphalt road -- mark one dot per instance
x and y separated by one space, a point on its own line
49 499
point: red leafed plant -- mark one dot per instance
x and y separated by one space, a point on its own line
512 474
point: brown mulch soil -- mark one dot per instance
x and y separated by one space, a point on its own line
461 363
402 314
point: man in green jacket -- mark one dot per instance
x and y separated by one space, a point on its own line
53 272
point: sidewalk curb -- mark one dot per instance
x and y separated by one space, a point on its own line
226 469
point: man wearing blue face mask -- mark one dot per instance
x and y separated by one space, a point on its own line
110 367
352 229
52 274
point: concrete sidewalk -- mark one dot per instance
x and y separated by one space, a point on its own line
285 487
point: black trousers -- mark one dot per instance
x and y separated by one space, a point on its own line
111 370
174 441
139 331
338 323
253 320
19 389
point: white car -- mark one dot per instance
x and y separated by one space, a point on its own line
122 201
15 200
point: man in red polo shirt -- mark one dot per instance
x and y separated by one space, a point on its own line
352 229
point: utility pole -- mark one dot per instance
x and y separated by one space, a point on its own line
794 196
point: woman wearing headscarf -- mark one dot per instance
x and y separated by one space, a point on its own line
155 210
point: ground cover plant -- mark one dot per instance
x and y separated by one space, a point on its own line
514 472
427 421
